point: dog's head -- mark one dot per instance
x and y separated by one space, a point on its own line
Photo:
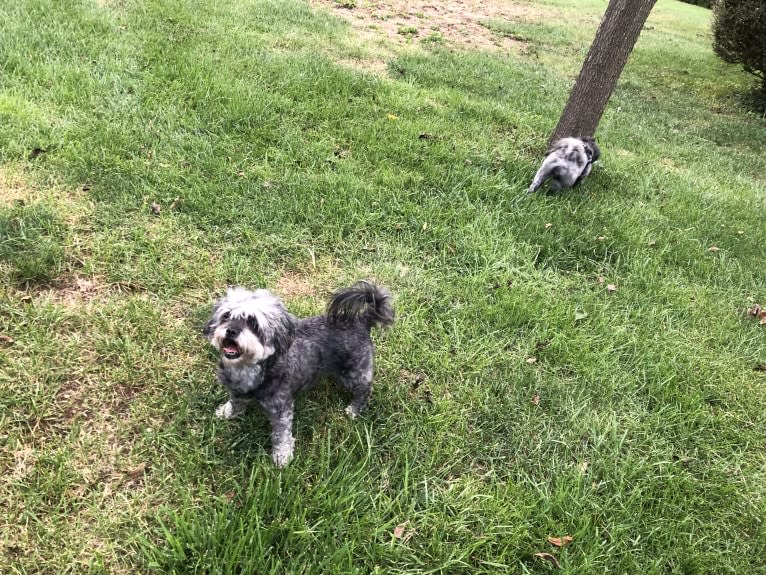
249 326
591 149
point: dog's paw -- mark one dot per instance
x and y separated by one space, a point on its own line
352 412
227 411
282 456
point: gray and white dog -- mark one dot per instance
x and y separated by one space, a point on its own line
268 355
567 163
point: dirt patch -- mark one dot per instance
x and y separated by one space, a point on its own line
72 291
458 23
13 188
291 285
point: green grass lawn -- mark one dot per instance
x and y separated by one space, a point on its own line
517 398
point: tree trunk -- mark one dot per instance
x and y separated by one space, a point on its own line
614 41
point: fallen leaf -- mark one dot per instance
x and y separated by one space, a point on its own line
401 532
652 243
740 232
760 367
560 541
156 209
601 280
467 162
36 152
392 117
579 315
426 136
763 321
425 225
531 360
601 238
176 202
137 472
583 467
548 226
714 249
267 184
536 399
6 340
230 495
549 557
611 288
241 174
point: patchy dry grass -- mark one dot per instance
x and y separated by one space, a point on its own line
278 160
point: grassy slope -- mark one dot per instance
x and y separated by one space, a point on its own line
647 445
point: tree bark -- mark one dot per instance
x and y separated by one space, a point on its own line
614 41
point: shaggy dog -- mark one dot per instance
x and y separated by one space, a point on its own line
567 163
268 355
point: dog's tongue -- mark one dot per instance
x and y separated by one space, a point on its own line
230 349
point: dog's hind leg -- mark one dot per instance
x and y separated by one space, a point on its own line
359 383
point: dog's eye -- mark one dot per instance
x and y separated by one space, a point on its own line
226 316
252 323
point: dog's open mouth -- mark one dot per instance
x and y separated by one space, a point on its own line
230 349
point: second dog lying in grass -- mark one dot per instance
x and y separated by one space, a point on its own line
567 163
268 355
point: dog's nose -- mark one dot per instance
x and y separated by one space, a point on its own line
231 333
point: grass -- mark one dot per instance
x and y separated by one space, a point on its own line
639 427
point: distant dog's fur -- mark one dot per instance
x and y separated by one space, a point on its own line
268 355
567 163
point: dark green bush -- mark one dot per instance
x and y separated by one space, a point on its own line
32 241
703 3
739 35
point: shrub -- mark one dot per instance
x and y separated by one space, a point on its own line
739 37
703 3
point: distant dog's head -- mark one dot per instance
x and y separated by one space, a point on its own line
591 149
249 326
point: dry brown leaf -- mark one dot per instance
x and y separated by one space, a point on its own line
549 557
6 340
401 532
611 288
601 280
137 472
763 321
536 399
583 467
230 495
601 238
531 360
560 541
175 203
760 367
652 243
548 226
714 249
156 208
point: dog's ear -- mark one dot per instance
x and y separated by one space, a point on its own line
283 334
213 321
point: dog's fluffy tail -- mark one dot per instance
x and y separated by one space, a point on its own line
363 302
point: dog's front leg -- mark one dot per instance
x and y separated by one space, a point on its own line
282 441
234 407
